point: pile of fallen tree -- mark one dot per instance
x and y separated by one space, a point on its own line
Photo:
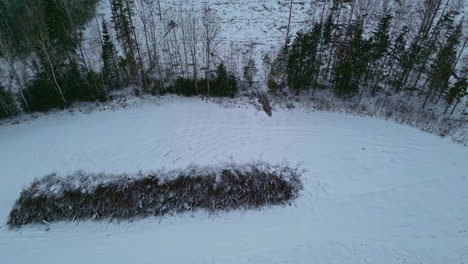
83 196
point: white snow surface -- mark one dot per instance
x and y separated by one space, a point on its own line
374 191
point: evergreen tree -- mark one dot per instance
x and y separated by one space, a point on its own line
352 62
41 95
430 45
324 45
456 93
110 69
381 38
328 28
21 19
276 80
422 48
58 26
298 69
343 82
225 84
398 58
333 32
250 70
121 17
442 68
303 63
360 51
379 45
5 21
75 84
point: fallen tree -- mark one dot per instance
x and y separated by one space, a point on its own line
83 196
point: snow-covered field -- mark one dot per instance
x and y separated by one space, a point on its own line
374 192
247 27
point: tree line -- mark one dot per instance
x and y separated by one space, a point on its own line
152 59
46 36
351 56
352 48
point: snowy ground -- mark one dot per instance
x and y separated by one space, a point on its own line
247 27
375 192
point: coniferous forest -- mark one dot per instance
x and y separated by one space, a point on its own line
416 51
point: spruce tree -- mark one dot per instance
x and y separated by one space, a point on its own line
379 45
58 26
225 84
442 68
250 70
381 39
430 45
456 93
343 82
110 69
352 62
422 48
121 17
360 51
276 76
398 57
303 63
328 30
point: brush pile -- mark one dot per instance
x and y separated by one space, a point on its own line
83 196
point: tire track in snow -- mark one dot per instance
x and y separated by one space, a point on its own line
201 140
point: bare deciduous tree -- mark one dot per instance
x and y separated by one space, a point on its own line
211 30
192 40
43 48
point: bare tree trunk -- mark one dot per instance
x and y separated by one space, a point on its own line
454 107
211 32
184 40
160 10
192 41
465 43
351 13
145 31
98 26
43 48
154 43
79 41
177 49
430 12
87 70
172 65
464 109
289 23
207 71
332 47
102 43
137 46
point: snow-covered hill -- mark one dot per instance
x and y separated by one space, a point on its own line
375 192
